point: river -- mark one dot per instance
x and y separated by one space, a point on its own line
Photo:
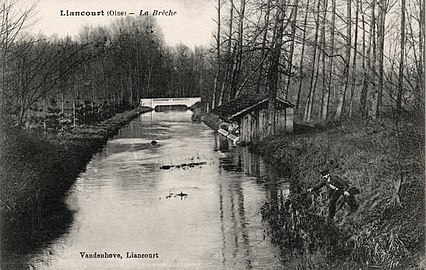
125 203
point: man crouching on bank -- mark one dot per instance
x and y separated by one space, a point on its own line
337 187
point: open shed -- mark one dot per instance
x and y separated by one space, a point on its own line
250 114
197 111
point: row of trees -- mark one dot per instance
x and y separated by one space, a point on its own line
331 58
89 78
334 59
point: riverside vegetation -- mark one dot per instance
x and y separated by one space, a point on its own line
385 162
37 171
387 230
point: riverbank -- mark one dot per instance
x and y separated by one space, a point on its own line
211 120
36 172
387 230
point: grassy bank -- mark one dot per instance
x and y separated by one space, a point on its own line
387 230
36 172
211 120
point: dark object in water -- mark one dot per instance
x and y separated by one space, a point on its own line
183 165
153 142
181 194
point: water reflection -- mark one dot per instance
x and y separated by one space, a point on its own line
33 234
233 194
125 203
308 240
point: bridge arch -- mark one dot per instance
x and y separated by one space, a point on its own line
154 102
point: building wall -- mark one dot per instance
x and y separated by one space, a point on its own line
254 125
289 120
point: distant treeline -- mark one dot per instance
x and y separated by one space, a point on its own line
330 58
53 83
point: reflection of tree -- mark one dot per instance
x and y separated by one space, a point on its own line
235 237
242 219
252 164
294 227
33 231
222 225
234 228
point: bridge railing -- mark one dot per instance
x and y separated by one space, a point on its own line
153 102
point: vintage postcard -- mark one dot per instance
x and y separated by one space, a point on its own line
212 134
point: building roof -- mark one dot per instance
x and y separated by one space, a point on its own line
197 104
244 104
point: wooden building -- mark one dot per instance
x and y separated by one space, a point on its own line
197 111
250 115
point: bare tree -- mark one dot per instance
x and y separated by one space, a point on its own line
366 66
325 93
239 52
355 54
325 110
342 95
305 22
273 73
401 62
292 45
264 52
216 80
314 71
12 22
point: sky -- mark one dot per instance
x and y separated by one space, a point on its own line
192 25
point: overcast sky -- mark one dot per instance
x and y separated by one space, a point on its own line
192 25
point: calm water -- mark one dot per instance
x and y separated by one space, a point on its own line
125 203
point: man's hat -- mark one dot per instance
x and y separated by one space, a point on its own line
324 172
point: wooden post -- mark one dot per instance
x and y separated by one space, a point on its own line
260 125
289 115
249 127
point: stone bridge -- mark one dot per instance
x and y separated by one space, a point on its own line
154 102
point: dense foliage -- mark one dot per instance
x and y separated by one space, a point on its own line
53 83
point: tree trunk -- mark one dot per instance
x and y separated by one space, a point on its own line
237 67
216 79
229 56
373 73
290 59
74 118
45 111
301 57
62 110
381 45
274 67
324 94
342 96
330 75
422 29
354 59
122 85
265 35
401 63
365 68
311 97
130 89
379 57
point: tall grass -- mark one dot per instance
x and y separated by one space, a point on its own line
384 232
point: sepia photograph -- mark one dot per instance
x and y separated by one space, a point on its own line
212 134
